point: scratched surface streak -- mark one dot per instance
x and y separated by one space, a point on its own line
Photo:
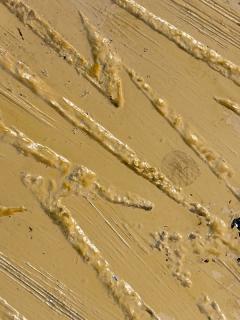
72 246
